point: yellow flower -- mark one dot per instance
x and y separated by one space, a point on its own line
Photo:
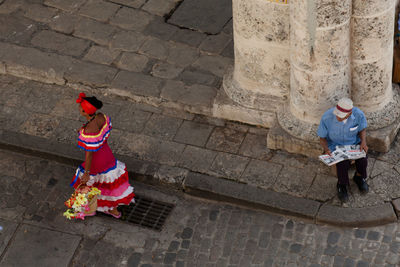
94 192
81 198
69 214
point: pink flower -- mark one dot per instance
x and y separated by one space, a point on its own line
80 215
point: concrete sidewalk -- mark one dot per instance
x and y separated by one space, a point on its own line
159 83
200 155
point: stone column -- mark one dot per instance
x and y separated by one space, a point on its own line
259 82
373 23
320 71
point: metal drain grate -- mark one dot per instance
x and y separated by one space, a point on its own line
147 212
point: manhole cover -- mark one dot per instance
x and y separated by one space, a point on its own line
147 212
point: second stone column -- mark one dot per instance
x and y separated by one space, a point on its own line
320 69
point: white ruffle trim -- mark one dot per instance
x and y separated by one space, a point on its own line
108 177
128 191
106 208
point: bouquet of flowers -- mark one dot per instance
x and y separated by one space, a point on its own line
83 202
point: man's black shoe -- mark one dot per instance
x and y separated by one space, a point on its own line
342 193
361 183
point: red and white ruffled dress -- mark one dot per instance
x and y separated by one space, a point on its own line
106 173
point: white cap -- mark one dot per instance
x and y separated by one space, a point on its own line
343 107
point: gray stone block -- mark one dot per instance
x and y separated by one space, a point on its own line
193 76
192 133
208 16
161 126
171 175
64 22
229 166
132 84
99 10
166 70
39 12
323 188
159 29
225 139
101 55
182 55
69 6
129 3
229 50
255 146
131 19
215 64
62 247
159 7
15 29
34 64
198 96
197 159
10 6
60 43
215 43
261 173
155 48
7 232
189 37
357 217
132 62
90 73
297 187
95 31
127 41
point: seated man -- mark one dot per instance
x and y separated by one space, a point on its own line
345 125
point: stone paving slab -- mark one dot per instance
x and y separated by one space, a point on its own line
41 246
209 16
7 231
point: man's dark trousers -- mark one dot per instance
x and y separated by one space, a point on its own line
343 167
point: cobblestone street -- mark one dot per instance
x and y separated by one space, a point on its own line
197 233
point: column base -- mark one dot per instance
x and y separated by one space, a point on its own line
293 135
226 108
380 139
278 138
238 104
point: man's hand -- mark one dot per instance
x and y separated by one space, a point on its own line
85 178
363 146
324 144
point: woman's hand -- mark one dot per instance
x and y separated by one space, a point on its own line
85 178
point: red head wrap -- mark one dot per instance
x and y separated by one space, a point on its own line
87 107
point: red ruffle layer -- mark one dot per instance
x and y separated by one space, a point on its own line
117 183
123 201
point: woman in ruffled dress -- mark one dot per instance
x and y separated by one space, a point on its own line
100 168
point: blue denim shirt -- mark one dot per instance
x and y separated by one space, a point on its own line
339 133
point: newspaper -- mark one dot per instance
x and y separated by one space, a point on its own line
343 153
